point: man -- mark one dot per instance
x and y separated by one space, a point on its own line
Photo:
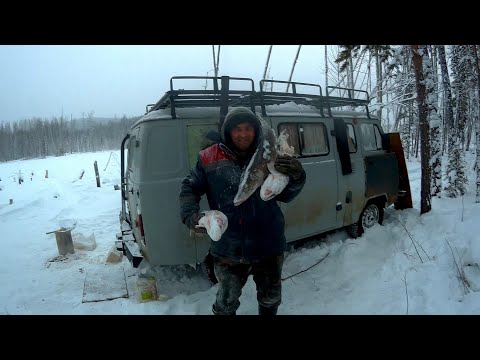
254 241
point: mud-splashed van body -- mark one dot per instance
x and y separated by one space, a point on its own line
352 169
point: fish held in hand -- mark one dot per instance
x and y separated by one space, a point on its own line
215 222
276 181
257 171
273 184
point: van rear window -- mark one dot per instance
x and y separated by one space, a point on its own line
352 140
307 139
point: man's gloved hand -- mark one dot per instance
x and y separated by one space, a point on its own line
192 221
288 165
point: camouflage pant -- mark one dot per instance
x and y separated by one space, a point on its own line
232 276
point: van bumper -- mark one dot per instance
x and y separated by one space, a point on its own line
127 245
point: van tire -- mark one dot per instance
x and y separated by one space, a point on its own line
208 269
371 214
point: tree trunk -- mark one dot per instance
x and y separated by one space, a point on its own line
417 139
350 74
218 60
293 66
379 84
447 89
461 69
471 120
434 122
326 67
425 195
369 79
214 61
450 130
388 107
433 51
266 64
477 123
461 97
409 134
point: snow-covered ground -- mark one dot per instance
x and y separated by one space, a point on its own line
411 264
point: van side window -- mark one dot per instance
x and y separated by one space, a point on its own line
131 151
307 139
292 139
134 153
314 139
371 137
352 140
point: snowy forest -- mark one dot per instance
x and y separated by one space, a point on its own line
35 138
430 94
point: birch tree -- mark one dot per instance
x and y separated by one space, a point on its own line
434 123
447 103
456 177
477 124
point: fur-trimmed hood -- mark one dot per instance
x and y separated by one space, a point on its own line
236 116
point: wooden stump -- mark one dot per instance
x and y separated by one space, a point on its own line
96 173
64 242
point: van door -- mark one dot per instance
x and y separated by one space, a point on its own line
314 209
352 185
132 178
197 140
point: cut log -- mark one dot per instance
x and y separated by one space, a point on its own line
64 242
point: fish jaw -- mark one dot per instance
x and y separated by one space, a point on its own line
253 180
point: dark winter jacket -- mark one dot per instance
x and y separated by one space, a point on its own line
256 227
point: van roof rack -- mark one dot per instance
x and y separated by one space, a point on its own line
225 96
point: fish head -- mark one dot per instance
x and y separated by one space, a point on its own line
250 182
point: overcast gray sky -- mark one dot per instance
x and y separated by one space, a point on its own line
44 80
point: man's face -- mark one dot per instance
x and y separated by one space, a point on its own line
242 136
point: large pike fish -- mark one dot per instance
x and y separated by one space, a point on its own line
276 181
261 167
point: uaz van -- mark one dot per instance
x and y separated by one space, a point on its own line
354 170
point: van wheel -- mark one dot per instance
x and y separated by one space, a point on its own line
371 215
207 268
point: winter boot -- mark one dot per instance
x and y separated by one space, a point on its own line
217 311
267 311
